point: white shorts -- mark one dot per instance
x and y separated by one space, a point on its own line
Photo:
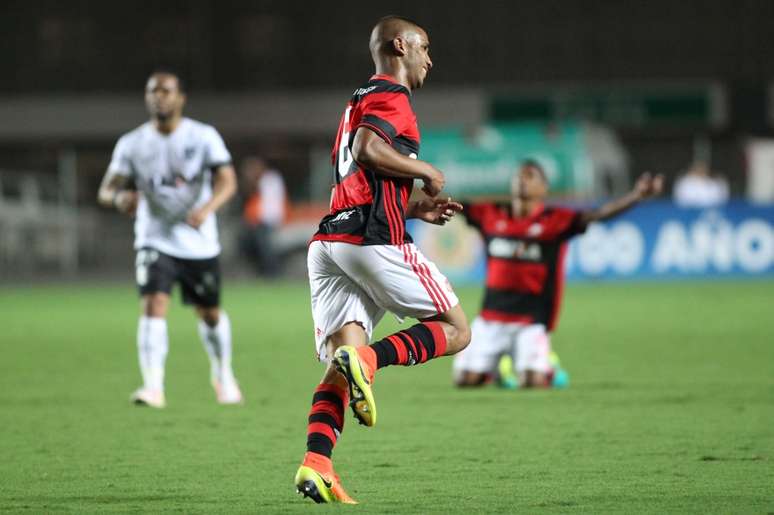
354 283
529 345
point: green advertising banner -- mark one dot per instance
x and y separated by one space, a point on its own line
697 105
482 162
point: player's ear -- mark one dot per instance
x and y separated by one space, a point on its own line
399 46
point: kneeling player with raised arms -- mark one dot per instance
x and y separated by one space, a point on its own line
525 244
362 262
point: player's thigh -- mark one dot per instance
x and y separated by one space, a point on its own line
200 282
533 348
155 272
399 278
337 300
488 342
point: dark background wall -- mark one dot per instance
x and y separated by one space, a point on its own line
230 46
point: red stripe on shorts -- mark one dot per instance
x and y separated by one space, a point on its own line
408 257
425 272
442 296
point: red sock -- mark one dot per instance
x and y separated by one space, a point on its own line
326 419
417 344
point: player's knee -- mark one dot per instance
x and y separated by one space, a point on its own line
209 315
467 379
460 337
352 333
534 379
155 305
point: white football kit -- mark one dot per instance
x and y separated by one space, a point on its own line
173 173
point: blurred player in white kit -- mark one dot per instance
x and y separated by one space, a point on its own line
172 174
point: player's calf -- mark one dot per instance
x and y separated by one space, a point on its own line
456 328
417 344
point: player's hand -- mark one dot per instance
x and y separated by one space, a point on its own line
648 186
126 202
436 211
197 217
434 182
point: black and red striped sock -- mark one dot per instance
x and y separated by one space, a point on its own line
415 345
326 419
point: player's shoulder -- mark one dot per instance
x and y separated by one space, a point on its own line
482 205
380 84
197 127
135 133
482 211
130 139
557 210
560 215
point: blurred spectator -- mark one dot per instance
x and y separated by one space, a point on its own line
264 211
698 187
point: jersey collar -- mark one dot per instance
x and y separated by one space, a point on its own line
383 76
390 78
537 211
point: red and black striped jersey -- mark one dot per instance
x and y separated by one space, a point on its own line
525 260
368 208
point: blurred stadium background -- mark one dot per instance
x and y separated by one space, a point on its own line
598 92
670 405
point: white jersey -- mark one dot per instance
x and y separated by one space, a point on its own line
173 174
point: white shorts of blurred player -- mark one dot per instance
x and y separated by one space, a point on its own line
353 283
528 344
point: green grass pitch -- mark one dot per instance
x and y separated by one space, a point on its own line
670 410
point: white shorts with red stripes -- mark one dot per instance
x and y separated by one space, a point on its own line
528 344
354 283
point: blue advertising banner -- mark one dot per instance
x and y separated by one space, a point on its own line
656 240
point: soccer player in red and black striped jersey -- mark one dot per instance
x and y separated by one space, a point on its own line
525 246
362 262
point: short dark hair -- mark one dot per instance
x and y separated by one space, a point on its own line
534 163
165 70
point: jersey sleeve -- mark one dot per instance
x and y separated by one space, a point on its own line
564 223
475 213
217 153
387 114
120 162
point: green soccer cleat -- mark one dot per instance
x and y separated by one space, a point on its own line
361 398
321 489
506 377
559 378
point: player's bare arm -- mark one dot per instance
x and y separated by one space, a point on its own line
114 192
224 187
647 186
436 211
373 153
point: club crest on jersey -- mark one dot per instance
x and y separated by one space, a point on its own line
189 152
535 230
505 248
